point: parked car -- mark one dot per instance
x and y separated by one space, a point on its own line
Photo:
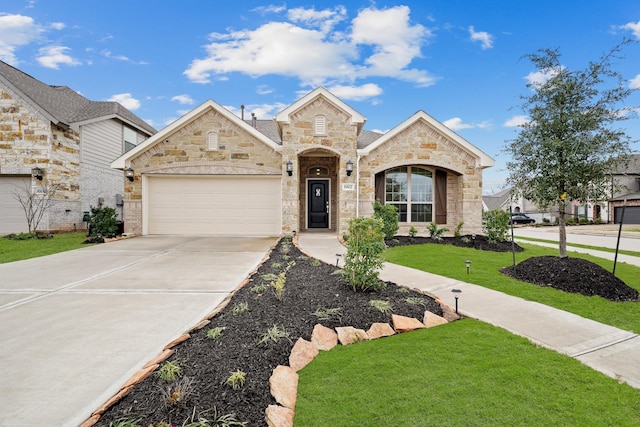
520 218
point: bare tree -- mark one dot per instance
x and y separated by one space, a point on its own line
35 202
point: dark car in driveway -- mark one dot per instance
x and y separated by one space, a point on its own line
520 218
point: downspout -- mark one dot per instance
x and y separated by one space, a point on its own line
357 185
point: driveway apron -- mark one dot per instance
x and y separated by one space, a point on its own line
76 325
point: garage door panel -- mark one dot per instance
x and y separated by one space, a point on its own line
12 218
214 205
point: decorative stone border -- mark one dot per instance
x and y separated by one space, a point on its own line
283 382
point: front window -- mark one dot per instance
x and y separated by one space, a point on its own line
130 138
410 190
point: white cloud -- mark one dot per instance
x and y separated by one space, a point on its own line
127 101
356 93
183 99
540 77
54 56
262 111
312 49
635 82
16 31
516 121
58 25
485 39
455 123
264 90
263 10
634 27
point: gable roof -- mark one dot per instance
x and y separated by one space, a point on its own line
485 160
498 200
64 106
122 161
356 118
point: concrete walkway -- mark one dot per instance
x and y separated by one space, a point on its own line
76 325
609 350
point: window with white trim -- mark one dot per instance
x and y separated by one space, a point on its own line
212 141
410 190
320 127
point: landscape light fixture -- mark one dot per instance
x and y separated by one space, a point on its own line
129 174
37 173
338 259
456 291
290 168
349 167
467 263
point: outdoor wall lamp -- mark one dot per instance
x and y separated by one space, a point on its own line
37 173
289 168
349 167
467 263
129 174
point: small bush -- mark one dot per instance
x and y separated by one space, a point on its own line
546 220
170 371
273 335
259 289
382 306
328 313
495 224
389 216
457 231
278 285
103 222
239 308
436 232
215 333
363 259
413 231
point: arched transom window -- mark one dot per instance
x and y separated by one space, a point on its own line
410 189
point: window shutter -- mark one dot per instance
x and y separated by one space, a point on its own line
441 196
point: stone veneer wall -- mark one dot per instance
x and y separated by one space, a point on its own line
420 144
185 151
298 141
27 140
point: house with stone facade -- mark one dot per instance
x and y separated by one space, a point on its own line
311 168
53 137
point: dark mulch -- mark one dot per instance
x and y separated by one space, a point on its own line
479 242
309 286
572 275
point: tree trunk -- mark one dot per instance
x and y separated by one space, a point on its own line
562 240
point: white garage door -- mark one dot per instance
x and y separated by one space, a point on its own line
220 205
12 219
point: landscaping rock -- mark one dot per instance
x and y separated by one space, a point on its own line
448 312
379 330
431 320
284 386
349 335
302 353
405 324
324 338
277 416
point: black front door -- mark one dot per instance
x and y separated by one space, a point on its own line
318 203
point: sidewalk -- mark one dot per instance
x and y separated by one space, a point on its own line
604 348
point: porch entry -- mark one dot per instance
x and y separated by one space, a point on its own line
318 203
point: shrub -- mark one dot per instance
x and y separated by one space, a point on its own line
103 222
458 229
382 306
278 285
169 371
273 335
240 308
436 232
413 231
389 216
363 259
237 379
495 224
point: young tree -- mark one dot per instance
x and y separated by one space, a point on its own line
569 147
35 202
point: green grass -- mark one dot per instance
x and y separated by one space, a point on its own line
448 260
465 373
579 245
17 250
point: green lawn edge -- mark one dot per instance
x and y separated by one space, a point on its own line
465 373
18 250
449 261
579 245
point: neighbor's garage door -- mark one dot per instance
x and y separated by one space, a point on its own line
12 219
221 205
631 215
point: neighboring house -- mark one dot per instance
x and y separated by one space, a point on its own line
313 167
628 180
70 139
505 199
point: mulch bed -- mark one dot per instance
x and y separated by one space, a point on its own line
575 275
310 285
475 241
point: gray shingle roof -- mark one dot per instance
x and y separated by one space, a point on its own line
64 105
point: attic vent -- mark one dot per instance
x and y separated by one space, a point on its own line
321 125
212 141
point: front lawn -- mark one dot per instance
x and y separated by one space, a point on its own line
448 260
465 373
16 250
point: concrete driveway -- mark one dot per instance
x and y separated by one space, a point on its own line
76 325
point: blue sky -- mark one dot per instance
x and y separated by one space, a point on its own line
460 61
